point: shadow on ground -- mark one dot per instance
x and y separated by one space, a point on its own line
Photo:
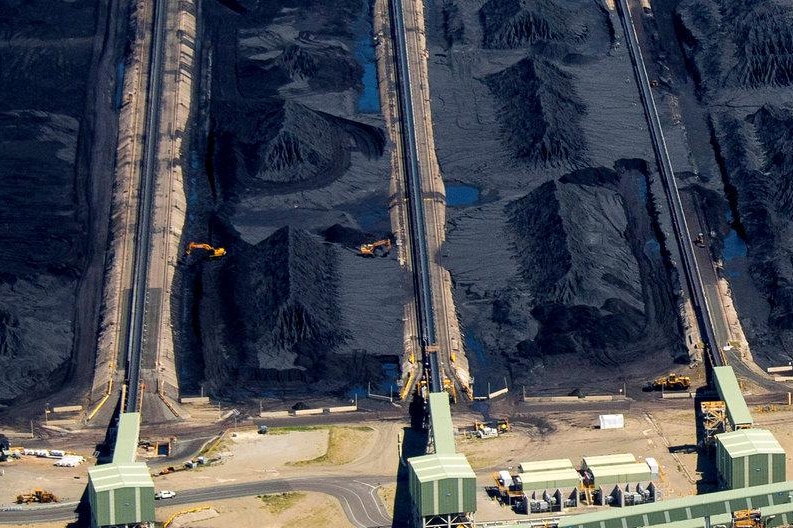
414 443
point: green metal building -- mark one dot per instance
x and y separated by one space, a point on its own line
621 474
689 512
442 484
551 480
730 392
122 492
749 457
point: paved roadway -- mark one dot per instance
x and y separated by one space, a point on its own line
358 498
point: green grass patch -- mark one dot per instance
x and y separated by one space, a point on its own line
343 446
214 447
293 429
276 503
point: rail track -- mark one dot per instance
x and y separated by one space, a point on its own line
679 225
138 295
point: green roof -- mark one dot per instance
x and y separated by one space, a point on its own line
621 473
441 423
552 479
607 460
545 465
729 391
127 438
429 468
746 442
115 476
692 507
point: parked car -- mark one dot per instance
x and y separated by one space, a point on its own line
165 494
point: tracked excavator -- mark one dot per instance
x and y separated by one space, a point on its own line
213 252
371 250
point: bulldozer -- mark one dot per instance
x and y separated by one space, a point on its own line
499 425
371 250
672 382
37 495
213 252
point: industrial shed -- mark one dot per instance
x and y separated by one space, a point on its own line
620 474
730 392
749 457
122 492
545 465
607 460
442 484
551 480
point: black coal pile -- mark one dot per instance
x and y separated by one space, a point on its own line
283 323
298 171
517 23
590 274
46 56
540 113
762 196
280 146
738 43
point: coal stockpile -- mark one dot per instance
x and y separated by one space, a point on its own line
540 113
47 53
589 273
762 199
280 147
558 259
297 177
738 44
516 23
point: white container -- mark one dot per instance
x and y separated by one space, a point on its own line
653 464
612 421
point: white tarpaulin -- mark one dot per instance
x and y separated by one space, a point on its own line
612 421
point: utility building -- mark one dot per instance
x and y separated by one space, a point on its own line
443 490
122 493
749 457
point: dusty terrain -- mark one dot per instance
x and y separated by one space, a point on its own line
294 177
56 130
294 509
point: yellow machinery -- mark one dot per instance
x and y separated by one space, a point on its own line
37 495
672 382
501 425
213 252
368 250
747 519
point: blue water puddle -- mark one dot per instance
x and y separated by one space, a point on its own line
475 347
118 97
734 246
369 100
458 195
642 187
652 247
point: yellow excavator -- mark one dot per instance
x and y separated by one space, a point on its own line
368 250
213 252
